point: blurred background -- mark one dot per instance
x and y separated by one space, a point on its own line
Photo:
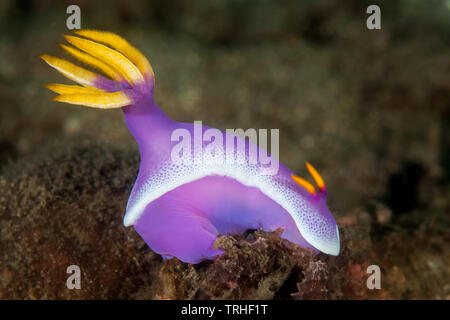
369 108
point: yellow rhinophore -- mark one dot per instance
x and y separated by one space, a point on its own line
70 89
71 71
114 58
107 100
94 62
122 45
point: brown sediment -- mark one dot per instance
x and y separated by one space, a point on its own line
67 207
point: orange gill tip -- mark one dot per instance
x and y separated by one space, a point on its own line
305 184
316 176
91 61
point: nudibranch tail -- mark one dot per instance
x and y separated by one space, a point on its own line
129 75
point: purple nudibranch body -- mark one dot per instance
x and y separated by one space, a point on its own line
180 207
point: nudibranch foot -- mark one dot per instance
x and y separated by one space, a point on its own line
175 230
191 216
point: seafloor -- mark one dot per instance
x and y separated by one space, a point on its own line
370 109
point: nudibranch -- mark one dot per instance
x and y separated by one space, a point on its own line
180 207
